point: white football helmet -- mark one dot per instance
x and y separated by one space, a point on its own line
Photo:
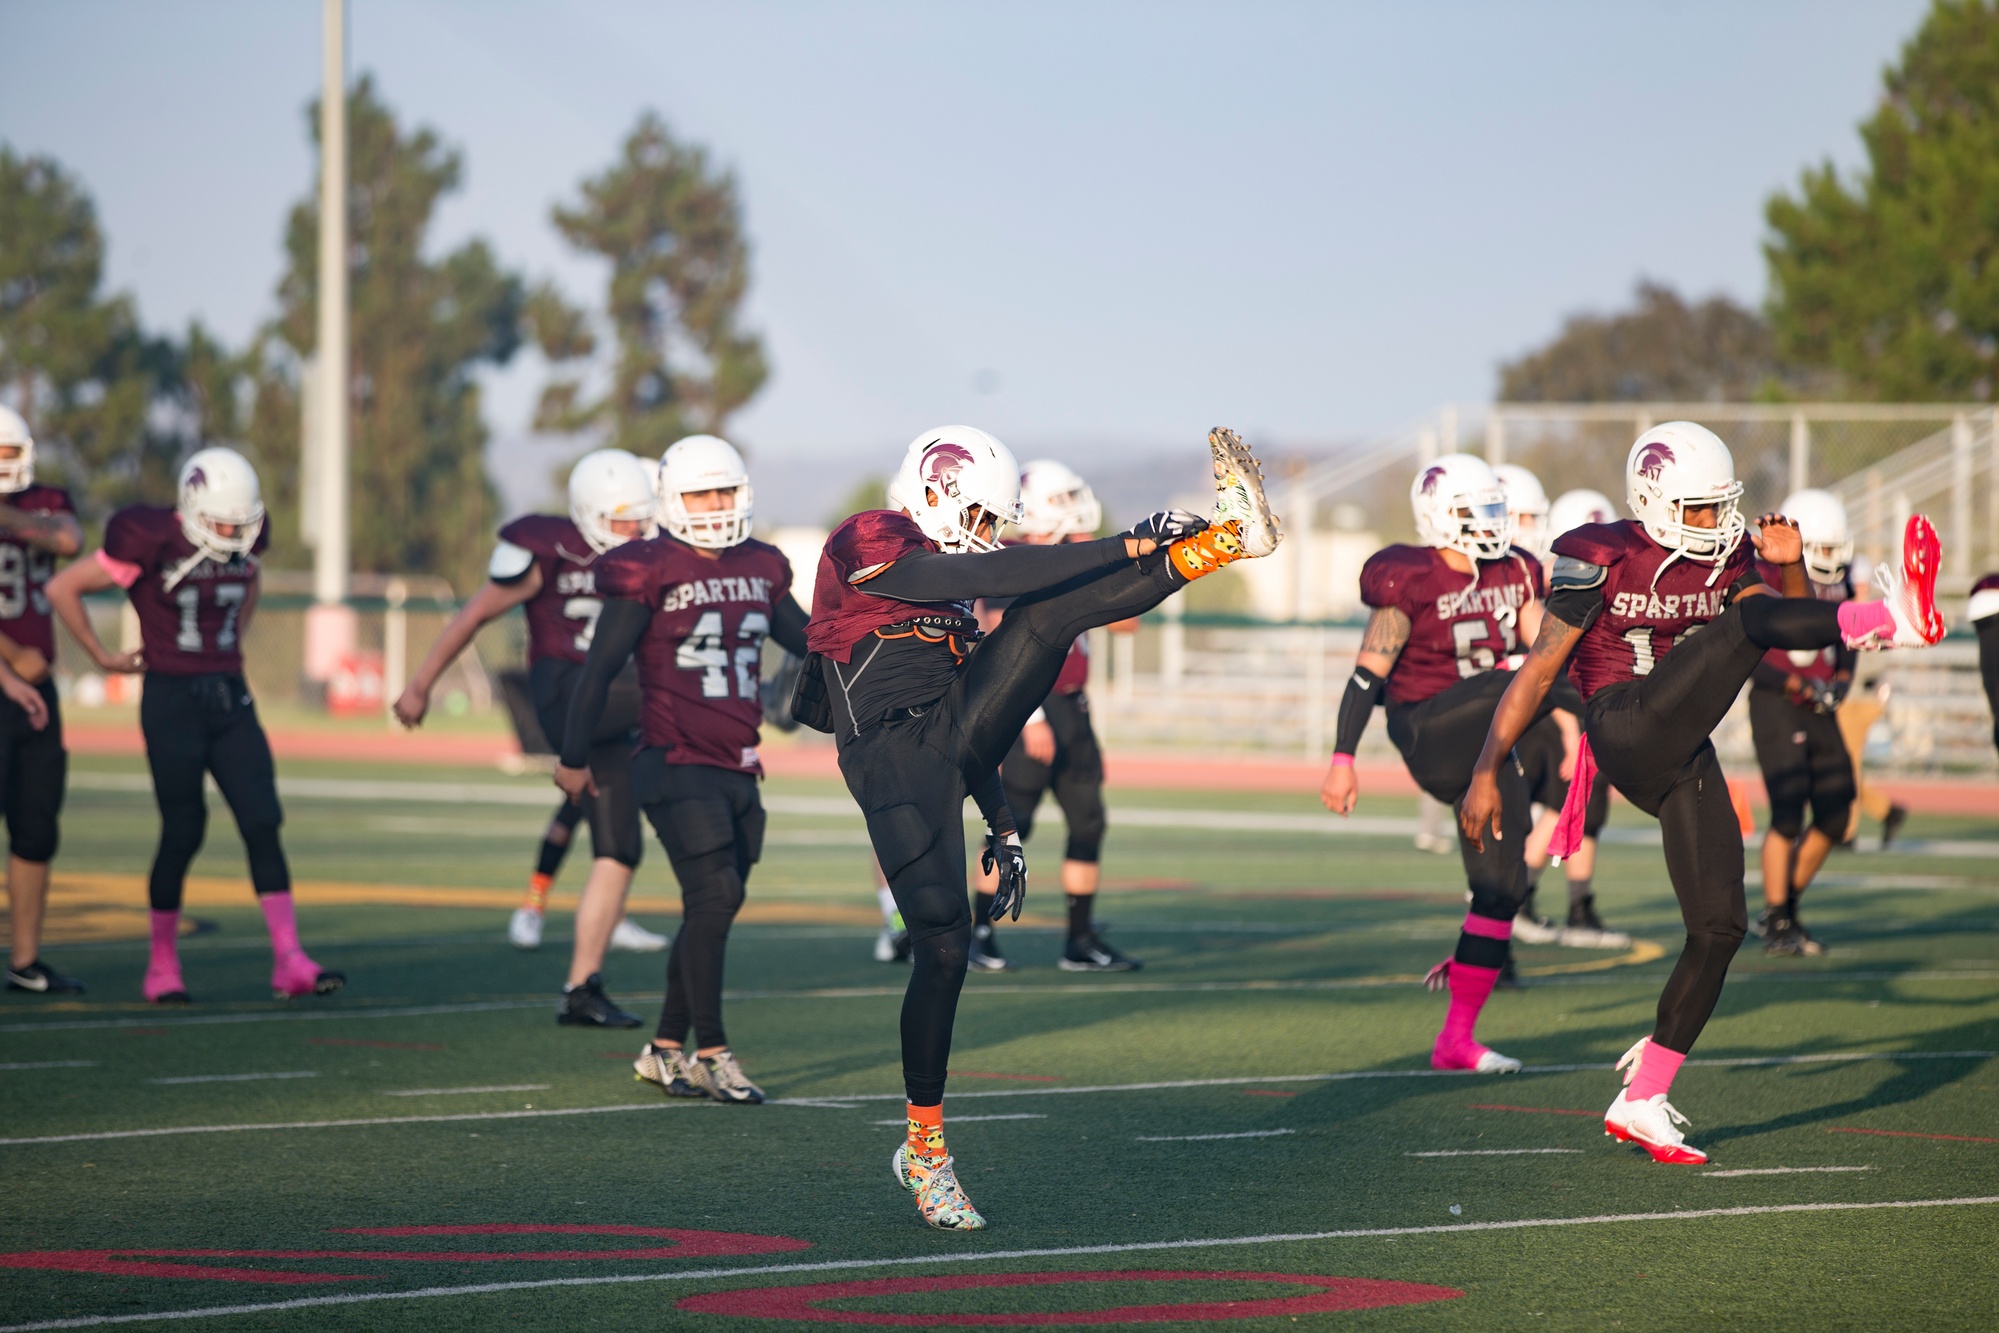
1527 502
705 463
951 480
1055 502
1677 466
1460 506
1572 509
218 486
16 473
1821 520
610 484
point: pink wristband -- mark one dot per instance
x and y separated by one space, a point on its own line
123 572
1342 761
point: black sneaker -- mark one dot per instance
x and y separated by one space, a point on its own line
586 1006
1091 954
1785 940
1509 979
1587 931
42 979
1892 824
1760 927
986 955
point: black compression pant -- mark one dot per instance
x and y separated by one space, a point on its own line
910 775
207 724
711 823
34 770
1650 738
1803 757
1076 777
614 811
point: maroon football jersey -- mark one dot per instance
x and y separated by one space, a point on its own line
25 571
1810 665
1458 626
700 659
196 626
1650 602
843 611
1075 673
563 615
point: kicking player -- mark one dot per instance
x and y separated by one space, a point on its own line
37 526
1792 698
191 573
922 720
1666 618
1445 617
1057 750
548 566
693 605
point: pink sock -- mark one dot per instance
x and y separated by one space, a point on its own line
1655 1071
283 923
166 941
1858 619
1470 988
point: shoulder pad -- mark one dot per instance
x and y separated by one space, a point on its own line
1597 543
1571 573
509 562
1389 571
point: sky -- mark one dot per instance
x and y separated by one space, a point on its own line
1097 228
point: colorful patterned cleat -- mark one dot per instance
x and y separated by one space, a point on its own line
1239 498
1911 595
939 1197
671 1072
296 975
1651 1125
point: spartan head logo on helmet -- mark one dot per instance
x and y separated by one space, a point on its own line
1653 461
1430 480
942 462
196 480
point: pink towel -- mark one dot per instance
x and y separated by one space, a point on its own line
1569 828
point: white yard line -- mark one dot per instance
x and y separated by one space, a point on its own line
1494 1152
236 1078
990 1256
330 1124
453 1092
1785 1171
1204 1138
50 1064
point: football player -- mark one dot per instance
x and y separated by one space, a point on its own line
922 720
1984 613
1445 617
1666 618
37 526
192 575
1057 749
548 566
1792 699
693 605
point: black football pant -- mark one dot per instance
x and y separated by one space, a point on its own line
1650 739
1803 757
910 775
1076 777
34 770
1440 739
711 823
614 811
207 724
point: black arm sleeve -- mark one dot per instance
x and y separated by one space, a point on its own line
990 797
1577 607
1013 571
1356 707
788 626
619 629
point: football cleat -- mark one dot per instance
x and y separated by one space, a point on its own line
1911 593
1651 1125
631 937
1787 938
587 1006
671 1072
892 945
524 929
42 979
1587 931
726 1080
985 954
1760 927
939 1197
1091 954
1891 824
1239 497
164 986
1472 1056
1531 929
296 975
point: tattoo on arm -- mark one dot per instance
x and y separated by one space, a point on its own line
1555 639
1387 631
49 531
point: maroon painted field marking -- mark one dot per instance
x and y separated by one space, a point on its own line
1266 1092
801 1303
1911 1134
1012 1078
1533 1110
377 1045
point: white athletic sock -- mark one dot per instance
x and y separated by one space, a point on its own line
887 901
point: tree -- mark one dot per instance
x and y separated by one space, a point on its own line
672 230
1892 279
420 331
1662 350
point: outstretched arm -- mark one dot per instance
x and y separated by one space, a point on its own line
1516 710
492 601
1014 571
58 534
1383 640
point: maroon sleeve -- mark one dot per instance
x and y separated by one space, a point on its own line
39 499
1596 543
130 537
1386 578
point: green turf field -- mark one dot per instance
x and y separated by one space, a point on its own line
1226 1132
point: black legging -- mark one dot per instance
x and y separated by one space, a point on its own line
1804 761
206 724
1650 738
711 823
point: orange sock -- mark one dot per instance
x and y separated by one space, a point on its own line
926 1130
538 887
1206 551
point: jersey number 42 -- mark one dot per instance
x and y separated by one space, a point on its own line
707 650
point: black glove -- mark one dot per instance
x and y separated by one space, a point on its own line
1168 525
1005 851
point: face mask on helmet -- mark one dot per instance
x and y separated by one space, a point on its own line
960 486
1055 503
708 469
17 452
1822 527
1527 502
1682 489
611 486
1459 505
220 505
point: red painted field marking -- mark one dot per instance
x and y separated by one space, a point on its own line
1266 1092
1910 1134
801 1303
1534 1110
379 1045
1012 1078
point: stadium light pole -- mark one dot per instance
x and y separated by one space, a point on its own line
330 624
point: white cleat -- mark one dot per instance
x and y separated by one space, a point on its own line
1529 929
1492 1062
631 937
1239 492
524 930
1650 1125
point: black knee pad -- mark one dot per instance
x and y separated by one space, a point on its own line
1086 826
1830 816
1787 809
935 911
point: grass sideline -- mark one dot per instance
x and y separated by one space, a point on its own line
513 1186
